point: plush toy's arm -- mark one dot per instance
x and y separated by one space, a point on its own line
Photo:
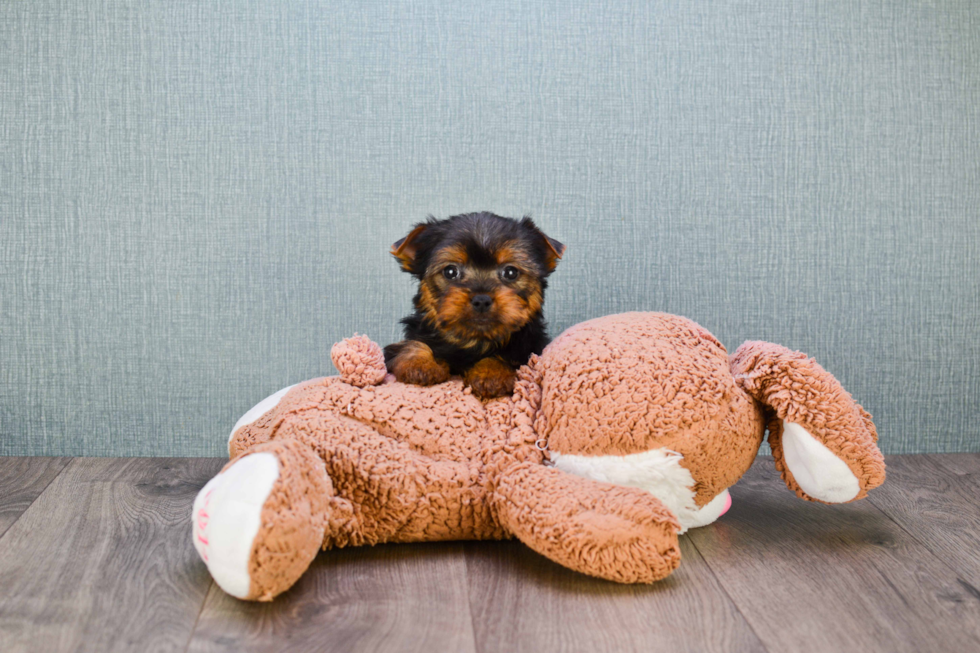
823 442
618 533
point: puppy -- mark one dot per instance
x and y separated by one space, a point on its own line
482 279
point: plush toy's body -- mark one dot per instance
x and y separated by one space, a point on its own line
626 431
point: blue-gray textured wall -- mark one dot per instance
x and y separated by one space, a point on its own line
197 198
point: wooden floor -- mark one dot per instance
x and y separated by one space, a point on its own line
96 555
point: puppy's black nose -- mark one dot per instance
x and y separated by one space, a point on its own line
481 303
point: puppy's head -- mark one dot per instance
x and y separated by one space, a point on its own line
481 276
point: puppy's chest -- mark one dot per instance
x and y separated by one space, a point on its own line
461 359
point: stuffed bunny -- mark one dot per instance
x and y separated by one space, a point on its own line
625 432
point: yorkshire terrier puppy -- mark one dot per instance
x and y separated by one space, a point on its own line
478 308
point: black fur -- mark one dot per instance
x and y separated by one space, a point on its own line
478 232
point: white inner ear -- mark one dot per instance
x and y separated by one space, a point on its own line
817 471
259 409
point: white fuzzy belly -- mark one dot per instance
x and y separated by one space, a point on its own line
658 471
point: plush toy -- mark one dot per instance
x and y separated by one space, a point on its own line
625 432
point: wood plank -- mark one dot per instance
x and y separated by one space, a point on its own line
392 597
961 464
812 577
103 561
522 601
938 508
22 479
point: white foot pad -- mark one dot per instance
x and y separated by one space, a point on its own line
817 471
226 519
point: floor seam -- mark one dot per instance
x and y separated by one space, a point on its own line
39 495
923 544
728 596
939 463
200 611
469 594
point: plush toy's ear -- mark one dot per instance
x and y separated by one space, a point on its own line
405 248
823 442
554 249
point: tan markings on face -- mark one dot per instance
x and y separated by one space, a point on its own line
452 255
534 298
454 306
527 285
515 253
512 310
434 284
455 321
449 306
429 300
526 289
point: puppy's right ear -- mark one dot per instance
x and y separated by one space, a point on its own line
406 248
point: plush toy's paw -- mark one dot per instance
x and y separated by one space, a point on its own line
227 516
260 522
622 534
823 442
490 378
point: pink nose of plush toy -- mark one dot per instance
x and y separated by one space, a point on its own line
728 504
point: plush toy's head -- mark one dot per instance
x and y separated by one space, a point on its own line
651 400
642 399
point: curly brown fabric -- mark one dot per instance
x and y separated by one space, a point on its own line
364 460
617 533
795 388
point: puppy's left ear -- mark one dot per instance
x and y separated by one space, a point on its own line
406 248
554 250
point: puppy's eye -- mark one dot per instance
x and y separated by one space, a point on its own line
510 273
451 272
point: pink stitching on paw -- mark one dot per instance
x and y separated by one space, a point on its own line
202 522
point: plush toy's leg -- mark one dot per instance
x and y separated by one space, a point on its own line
823 442
259 523
618 533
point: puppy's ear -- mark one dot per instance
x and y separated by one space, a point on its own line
406 248
554 250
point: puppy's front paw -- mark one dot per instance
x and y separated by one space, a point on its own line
416 364
423 372
491 377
